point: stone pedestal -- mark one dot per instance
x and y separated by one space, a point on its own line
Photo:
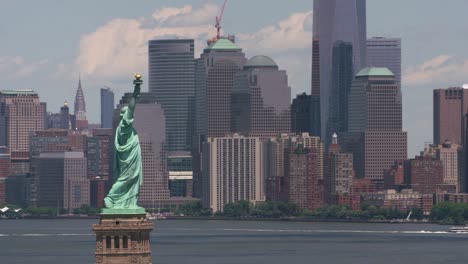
123 238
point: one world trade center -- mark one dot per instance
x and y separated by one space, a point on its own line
338 53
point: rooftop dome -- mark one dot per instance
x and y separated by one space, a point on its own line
224 44
375 71
261 61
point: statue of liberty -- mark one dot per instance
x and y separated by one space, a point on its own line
128 168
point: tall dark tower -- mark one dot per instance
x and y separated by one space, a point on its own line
172 80
81 122
342 76
64 116
335 21
107 107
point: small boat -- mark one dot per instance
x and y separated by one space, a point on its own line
154 216
459 229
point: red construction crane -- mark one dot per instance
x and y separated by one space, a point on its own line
219 18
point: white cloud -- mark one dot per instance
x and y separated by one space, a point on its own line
287 35
119 47
443 69
16 67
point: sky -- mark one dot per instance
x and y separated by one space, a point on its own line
45 45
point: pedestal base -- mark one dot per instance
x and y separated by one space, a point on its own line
123 238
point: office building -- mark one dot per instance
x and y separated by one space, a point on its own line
172 80
4 172
81 121
107 107
302 185
385 52
335 21
233 171
274 160
179 165
342 76
450 105
301 114
214 78
99 154
450 155
425 173
61 180
216 69
65 116
20 113
394 178
261 99
53 120
338 173
375 135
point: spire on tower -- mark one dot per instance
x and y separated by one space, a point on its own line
80 107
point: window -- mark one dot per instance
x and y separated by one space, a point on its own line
125 242
108 242
116 242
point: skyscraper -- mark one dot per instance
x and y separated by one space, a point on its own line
107 107
81 122
216 69
450 105
375 119
261 99
301 113
65 116
172 80
20 113
233 171
342 76
335 20
385 52
215 72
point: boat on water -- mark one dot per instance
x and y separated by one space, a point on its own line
459 229
154 216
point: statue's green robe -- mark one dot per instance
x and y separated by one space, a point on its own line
128 167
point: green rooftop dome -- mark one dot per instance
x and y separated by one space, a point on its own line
224 44
261 61
375 71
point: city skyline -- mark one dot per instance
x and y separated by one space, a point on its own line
428 62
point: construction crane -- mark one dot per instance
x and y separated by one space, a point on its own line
219 18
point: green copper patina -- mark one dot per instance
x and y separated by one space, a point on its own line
123 196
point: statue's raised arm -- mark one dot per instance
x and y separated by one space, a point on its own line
136 93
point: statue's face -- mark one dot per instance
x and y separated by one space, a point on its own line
123 112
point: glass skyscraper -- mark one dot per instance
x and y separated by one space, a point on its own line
107 107
172 81
342 76
334 21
